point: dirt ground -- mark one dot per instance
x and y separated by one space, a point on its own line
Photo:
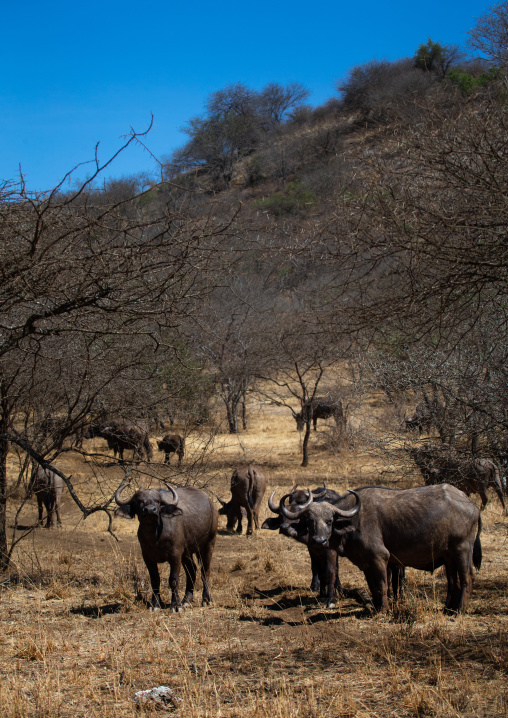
78 639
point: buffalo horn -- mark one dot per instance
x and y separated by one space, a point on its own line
118 493
271 505
175 496
319 491
347 514
221 502
289 514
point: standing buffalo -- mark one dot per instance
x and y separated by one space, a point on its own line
320 408
323 560
173 527
248 486
172 444
122 436
381 530
425 416
47 487
473 476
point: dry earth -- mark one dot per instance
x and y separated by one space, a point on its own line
78 639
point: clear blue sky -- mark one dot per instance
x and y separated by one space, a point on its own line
74 75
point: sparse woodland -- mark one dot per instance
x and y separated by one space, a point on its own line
356 251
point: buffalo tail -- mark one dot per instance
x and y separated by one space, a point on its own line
477 548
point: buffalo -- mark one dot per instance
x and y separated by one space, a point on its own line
380 530
425 416
323 560
173 527
172 444
473 476
47 487
319 408
248 486
121 436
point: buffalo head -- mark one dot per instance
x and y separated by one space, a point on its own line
149 505
314 523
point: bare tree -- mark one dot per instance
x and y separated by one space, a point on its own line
90 294
490 34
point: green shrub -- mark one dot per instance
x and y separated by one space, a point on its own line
293 200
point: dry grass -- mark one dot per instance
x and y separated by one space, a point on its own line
78 639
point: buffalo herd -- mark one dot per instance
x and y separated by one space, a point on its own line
380 530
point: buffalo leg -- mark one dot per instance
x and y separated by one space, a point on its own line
484 497
332 577
206 560
499 492
395 577
190 568
316 582
239 519
167 458
174 579
40 507
155 582
376 575
460 583
49 511
250 520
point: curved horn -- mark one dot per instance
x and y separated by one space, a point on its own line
271 505
296 513
319 491
118 493
347 514
175 496
221 502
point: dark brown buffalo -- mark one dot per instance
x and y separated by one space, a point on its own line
248 486
47 487
470 475
381 529
173 527
424 417
121 436
319 408
172 444
323 561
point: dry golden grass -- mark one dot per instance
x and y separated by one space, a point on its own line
78 639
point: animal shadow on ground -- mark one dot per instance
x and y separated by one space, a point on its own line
282 603
97 611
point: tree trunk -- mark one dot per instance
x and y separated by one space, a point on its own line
4 554
231 411
305 446
244 414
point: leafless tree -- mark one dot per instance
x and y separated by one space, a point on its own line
90 295
490 34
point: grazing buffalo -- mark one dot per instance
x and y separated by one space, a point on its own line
320 408
381 530
248 486
323 560
122 436
173 527
172 444
473 476
47 487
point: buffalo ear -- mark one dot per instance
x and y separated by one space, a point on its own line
272 523
170 511
125 511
